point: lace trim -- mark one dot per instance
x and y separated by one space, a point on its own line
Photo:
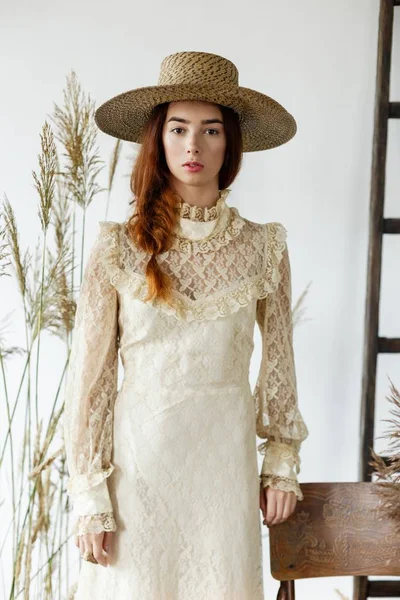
275 245
200 213
225 302
287 449
95 523
218 237
282 483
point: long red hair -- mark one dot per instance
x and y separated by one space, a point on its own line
156 216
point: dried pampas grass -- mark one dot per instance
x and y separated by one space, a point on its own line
39 530
387 470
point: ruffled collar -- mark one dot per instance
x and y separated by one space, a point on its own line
200 213
192 235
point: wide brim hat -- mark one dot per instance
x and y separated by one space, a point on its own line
207 77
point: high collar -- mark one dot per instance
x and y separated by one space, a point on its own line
200 213
197 222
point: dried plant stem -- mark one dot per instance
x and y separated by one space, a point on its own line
16 400
28 515
11 446
56 552
53 422
44 184
83 241
28 411
11 232
39 330
113 168
28 561
73 260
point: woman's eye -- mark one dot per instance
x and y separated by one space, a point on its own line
180 129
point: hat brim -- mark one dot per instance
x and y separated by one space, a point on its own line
264 122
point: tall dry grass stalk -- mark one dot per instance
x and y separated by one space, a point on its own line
341 595
388 472
77 132
299 309
111 174
4 254
37 533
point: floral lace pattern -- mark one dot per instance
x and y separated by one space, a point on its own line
239 263
278 417
281 465
199 213
282 483
220 236
96 523
233 266
91 388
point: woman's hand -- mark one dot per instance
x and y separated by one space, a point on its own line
99 544
276 505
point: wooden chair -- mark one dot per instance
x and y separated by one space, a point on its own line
338 529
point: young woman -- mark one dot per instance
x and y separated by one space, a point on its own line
163 472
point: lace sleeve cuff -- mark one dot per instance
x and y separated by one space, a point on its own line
282 483
95 523
280 467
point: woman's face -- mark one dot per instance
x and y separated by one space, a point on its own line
194 130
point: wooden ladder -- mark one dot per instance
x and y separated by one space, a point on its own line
378 225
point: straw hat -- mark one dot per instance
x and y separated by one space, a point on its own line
199 76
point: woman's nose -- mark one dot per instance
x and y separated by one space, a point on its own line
193 142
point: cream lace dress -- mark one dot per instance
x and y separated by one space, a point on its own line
169 461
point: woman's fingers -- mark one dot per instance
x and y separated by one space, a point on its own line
272 505
107 541
98 552
93 543
280 505
262 500
289 504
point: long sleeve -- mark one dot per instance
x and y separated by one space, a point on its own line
91 390
278 419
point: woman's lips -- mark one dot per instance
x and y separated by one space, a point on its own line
193 168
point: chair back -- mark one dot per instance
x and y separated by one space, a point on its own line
338 529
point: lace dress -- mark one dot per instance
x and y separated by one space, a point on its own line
169 461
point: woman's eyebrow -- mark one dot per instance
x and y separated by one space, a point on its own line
203 122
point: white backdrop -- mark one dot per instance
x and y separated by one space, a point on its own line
318 59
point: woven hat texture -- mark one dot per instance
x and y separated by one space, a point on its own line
206 77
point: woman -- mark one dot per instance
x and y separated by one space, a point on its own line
163 472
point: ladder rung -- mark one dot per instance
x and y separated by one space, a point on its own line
394 107
383 589
388 345
391 225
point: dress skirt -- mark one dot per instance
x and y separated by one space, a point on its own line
185 488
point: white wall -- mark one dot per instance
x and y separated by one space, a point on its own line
318 59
